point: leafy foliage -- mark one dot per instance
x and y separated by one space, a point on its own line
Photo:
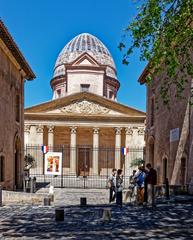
163 32
137 162
29 161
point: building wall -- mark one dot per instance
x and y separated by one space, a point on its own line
158 145
11 131
61 136
76 78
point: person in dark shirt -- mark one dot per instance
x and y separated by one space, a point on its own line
119 188
151 180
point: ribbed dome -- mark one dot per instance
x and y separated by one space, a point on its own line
84 42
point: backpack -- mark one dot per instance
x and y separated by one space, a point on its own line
140 179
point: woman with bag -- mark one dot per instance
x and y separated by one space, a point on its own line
119 188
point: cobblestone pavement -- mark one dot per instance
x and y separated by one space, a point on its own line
166 221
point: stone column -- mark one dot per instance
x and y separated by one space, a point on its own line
27 134
73 150
50 136
39 134
95 150
128 143
118 147
39 156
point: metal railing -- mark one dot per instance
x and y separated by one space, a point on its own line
84 176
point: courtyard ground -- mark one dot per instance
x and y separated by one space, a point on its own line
165 221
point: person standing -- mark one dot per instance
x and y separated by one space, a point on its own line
119 188
111 185
139 179
151 180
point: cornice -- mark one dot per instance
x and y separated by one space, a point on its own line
57 117
6 37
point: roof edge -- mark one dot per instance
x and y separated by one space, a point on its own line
142 78
13 48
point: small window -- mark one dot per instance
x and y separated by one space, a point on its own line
17 108
84 87
59 92
111 95
2 169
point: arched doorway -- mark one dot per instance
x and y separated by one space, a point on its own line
17 163
183 172
165 167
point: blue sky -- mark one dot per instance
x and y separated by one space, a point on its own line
41 28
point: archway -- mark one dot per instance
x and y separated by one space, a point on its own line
183 171
165 167
17 163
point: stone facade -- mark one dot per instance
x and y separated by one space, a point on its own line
84 120
13 71
168 133
88 128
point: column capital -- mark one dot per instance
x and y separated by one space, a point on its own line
50 128
141 131
40 128
73 129
118 130
95 130
129 131
27 128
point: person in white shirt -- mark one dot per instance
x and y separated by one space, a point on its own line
111 185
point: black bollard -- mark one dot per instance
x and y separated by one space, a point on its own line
83 202
167 189
59 214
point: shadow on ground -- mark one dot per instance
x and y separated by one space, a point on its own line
32 222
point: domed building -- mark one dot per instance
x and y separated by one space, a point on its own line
85 64
84 121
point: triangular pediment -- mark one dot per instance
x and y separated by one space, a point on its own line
85 104
84 107
85 60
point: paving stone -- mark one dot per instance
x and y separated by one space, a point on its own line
166 221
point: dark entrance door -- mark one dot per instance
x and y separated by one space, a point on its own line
17 163
83 161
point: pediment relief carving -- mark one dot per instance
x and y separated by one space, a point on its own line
85 107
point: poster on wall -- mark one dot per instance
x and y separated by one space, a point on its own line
53 163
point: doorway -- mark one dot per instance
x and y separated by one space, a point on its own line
17 162
165 167
183 171
83 161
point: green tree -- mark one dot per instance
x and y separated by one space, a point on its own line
163 32
137 162
29 161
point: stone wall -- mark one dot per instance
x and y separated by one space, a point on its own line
11 131
76 78
158 145
9 197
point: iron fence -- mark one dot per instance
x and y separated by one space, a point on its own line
92 166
